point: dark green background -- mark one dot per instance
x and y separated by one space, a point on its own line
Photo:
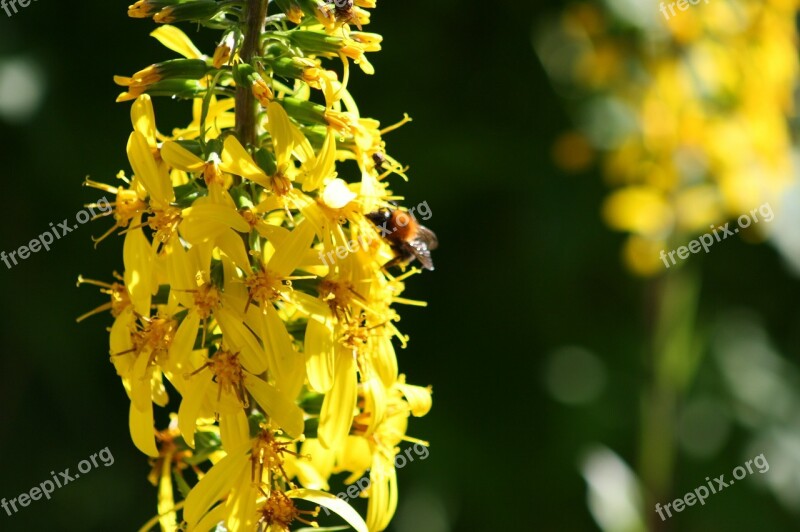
525 266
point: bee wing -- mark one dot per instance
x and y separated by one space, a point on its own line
428 237
420 250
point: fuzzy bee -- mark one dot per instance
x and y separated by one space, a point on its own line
409 240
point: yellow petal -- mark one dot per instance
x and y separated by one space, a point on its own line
280 128
288 256
141 391
336 194
419 398
191 406
382 497
325 164
319 351
177 41
144 119
213 486
639 209
179 157
206 221
234 430
183 343
336 416
232 245
236 160
142 430
286 364
166 498
212 518
333 503
155 181
138 259
240 339
240 507
283 412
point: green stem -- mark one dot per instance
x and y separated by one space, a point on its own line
675 354
253 26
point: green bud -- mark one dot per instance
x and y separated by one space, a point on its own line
304 111
194 11
315 41
180 88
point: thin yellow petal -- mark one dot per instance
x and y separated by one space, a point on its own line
283 412
234 430
177 41
144 119
138 259
325 164
319 351
192 404
166 498
213 487
144 166
142 430
241 340
289 256
236 160
333 503
179 157
336 416
280 128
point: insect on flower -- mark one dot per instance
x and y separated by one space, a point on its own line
408 239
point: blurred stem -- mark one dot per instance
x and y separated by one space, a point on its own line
673 358
253 26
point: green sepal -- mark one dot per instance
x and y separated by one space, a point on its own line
254 421
186 89
241 196
266 161
194 11
182 68
206 443
304 111
311 426
183 487
317 42
187 194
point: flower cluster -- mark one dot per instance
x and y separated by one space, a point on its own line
692 112
278 370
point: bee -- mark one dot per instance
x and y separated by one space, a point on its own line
409 240
379 159
344 11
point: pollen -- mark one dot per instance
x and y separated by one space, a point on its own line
250 217
206 299
268 453
229 375
281 185
340 296
164 222
120 299
265 286
156 335
279 511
